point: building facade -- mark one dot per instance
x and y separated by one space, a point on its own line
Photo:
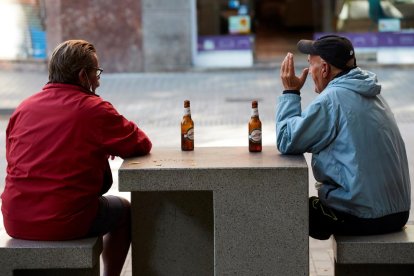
164 35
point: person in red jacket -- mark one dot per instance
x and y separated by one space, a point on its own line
58 142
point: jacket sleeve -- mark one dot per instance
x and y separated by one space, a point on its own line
121 137
308 131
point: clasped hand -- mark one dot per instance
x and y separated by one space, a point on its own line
287 73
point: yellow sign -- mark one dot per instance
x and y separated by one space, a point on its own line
239 24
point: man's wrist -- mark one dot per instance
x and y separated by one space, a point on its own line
291 91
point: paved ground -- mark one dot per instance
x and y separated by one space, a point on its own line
220 104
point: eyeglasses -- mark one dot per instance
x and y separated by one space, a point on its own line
98 71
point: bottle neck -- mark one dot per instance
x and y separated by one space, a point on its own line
255 112
187 111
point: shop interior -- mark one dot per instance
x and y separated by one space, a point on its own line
276 25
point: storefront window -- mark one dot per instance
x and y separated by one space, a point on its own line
258 31
381 30
375 15
224 33
22 31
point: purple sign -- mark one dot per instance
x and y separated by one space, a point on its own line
381 39
359 40
224 42
401 39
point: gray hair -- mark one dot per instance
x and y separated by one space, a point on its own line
68 59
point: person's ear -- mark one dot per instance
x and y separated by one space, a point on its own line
326 70
82 76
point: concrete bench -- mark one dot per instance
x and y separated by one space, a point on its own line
63 258
389 254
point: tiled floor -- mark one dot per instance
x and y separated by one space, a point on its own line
320 260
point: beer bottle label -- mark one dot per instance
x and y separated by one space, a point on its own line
255 112
190 134
187 111
256 135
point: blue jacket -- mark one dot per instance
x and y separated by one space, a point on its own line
358 153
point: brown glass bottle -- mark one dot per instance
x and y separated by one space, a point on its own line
255 130
187 129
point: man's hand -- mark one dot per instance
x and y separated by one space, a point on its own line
287 73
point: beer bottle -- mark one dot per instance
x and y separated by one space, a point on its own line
187 129
255 130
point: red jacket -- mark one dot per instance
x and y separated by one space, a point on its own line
57 147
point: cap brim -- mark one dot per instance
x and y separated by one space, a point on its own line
306 47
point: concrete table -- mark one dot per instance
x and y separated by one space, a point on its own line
218 211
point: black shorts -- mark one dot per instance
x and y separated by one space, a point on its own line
325 221
110 212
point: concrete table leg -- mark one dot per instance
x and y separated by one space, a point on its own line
172 233
258 230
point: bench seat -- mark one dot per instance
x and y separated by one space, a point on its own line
62 258
388 254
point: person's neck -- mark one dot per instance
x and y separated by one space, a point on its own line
340 73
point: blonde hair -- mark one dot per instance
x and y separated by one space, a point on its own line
68 59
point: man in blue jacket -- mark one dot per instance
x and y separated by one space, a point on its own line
358 155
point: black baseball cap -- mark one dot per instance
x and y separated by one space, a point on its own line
335 50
